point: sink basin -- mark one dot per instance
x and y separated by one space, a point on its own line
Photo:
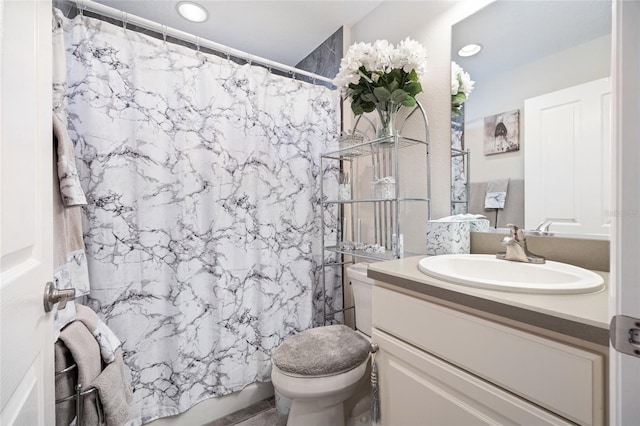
485 271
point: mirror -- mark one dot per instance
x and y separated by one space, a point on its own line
518 122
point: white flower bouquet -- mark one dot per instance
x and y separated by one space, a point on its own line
461 87
381 76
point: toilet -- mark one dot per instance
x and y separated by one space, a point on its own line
319 369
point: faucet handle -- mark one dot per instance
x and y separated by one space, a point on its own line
516 233
543 228
517 247
544 225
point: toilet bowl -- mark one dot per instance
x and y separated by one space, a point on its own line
317 400
319 369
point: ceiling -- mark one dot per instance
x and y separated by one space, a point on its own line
514 33
282 31
286 31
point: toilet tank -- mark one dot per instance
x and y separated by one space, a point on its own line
362 294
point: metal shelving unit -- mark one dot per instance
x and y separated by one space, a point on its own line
456 203
383 153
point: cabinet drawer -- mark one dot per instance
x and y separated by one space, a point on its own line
561 378
419 389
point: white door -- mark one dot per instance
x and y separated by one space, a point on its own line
624 370
567 144
26 332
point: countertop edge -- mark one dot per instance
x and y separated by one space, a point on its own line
564 326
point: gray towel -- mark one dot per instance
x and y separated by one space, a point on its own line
70 189
496 194
70 262
106 339
115 391
86 354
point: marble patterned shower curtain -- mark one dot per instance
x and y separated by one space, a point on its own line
202 228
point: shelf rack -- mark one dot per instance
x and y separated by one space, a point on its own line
464 156
459 164
385 161
78 398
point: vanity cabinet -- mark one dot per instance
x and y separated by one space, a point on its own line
439 365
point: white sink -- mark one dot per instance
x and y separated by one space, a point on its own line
485 271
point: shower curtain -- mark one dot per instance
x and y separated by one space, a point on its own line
202 227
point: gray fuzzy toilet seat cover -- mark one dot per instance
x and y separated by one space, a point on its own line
322 351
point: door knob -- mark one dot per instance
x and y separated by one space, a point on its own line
52 296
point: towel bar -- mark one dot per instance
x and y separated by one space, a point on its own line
79 397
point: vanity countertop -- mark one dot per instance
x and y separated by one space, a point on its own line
581 316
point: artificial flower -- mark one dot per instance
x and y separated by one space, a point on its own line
381 76
461 87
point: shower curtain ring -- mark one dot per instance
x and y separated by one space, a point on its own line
249 59
125 19
80 7
269 66
228 53
198 44
164 33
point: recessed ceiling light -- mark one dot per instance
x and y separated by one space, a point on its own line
192 11
469 50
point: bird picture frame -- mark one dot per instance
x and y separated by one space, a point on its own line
502 132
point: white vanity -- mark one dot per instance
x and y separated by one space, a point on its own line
452 354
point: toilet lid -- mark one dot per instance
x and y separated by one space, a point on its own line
322 351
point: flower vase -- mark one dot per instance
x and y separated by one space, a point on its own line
386 123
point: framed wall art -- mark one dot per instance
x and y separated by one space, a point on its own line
502 132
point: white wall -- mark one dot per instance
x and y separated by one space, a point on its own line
507 91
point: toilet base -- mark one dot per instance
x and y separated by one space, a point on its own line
361 413
311 413
317 401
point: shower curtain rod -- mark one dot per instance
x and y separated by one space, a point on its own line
128 18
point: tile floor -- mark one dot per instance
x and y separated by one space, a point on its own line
266 418
262 413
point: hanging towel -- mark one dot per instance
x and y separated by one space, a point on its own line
115 391
496 194
112 382
86 354
106 339
70 263
70 189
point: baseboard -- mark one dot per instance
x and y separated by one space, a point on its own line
214 408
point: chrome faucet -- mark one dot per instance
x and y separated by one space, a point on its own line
516 245
543 228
